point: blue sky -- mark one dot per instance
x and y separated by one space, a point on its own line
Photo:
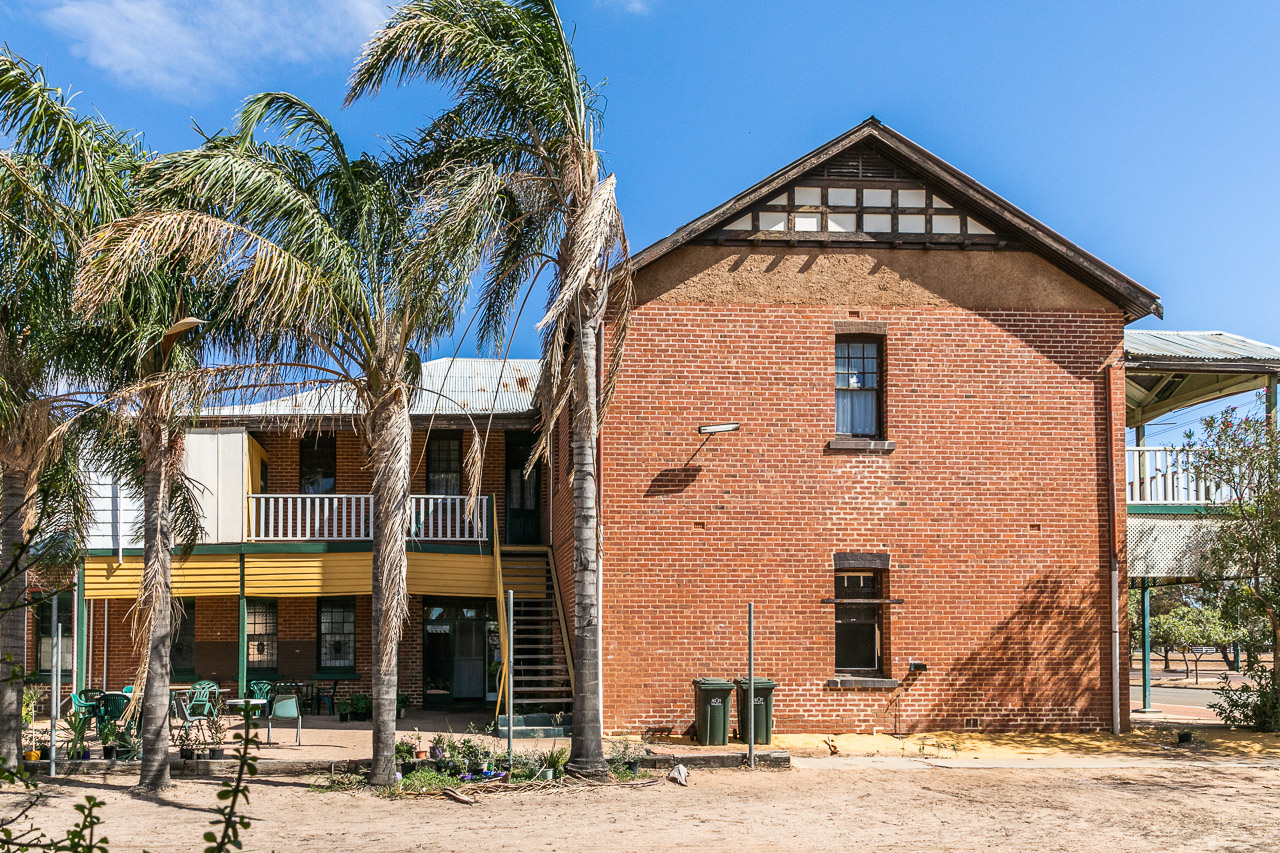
1144 132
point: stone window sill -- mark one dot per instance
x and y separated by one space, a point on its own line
848 682
860 444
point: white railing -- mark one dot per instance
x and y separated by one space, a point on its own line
446 517
1164 475
349 518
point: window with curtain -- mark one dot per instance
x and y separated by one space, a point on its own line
859 361
261 630
337 633
45 631
444 465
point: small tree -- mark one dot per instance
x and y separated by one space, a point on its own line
1192 631
1239 456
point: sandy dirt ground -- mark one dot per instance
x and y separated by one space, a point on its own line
1173 807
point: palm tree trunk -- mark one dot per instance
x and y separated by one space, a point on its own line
390 439
586 752
13 619
157 604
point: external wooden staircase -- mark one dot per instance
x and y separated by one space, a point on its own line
542 672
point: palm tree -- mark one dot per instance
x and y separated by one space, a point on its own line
138 346
45 192
332 262
515 156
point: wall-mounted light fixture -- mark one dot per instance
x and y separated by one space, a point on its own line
712 429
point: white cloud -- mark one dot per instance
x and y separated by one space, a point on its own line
635 7
182 49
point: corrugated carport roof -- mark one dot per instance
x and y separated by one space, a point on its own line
1168 371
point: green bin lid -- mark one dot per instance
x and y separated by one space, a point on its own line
760 682
714 683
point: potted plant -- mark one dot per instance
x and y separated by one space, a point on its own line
402 702
30 752
42 745
77 723
418 752
187 744
109 734
30 696
217 725
343 707
437 746
361 707
553 761
404 756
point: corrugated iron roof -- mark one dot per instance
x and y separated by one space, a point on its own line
452 387
1196 346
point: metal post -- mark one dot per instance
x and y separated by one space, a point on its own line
1140 439
1146 644
80 665
511 682
751 684
242 672
55 691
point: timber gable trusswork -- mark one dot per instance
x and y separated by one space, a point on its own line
859 197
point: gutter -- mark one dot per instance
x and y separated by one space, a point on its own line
1113 528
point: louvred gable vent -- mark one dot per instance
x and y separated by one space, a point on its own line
859 162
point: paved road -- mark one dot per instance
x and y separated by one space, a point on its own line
1175 696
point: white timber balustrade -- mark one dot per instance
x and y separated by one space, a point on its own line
1164 475
349 518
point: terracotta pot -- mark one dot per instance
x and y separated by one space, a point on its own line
421 754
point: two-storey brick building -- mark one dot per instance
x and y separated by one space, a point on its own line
920 497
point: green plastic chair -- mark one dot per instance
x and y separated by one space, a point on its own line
203 696
84 706
261 690
285 708
128 688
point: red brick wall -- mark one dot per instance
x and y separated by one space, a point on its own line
993 508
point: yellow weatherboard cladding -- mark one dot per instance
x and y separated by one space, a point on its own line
199 574
278 575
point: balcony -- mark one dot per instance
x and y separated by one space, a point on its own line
349 518
1165 476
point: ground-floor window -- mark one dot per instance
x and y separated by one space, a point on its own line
182 649
45 632
261 629
336 630
459 638
859 622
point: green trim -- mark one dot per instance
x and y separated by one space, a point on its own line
242 667
1172 509
482 549
336 675
82 631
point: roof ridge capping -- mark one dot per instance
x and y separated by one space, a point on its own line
1136 300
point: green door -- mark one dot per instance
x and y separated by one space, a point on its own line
524 494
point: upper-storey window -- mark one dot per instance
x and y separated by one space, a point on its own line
444 464
859 367
318 465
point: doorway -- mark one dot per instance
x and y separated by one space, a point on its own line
456 654
524 494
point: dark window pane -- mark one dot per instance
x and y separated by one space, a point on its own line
337 634
856 646
318 465
261 633
182 652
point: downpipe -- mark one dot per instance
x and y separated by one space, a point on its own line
1113 528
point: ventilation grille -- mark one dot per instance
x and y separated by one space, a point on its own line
859 162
